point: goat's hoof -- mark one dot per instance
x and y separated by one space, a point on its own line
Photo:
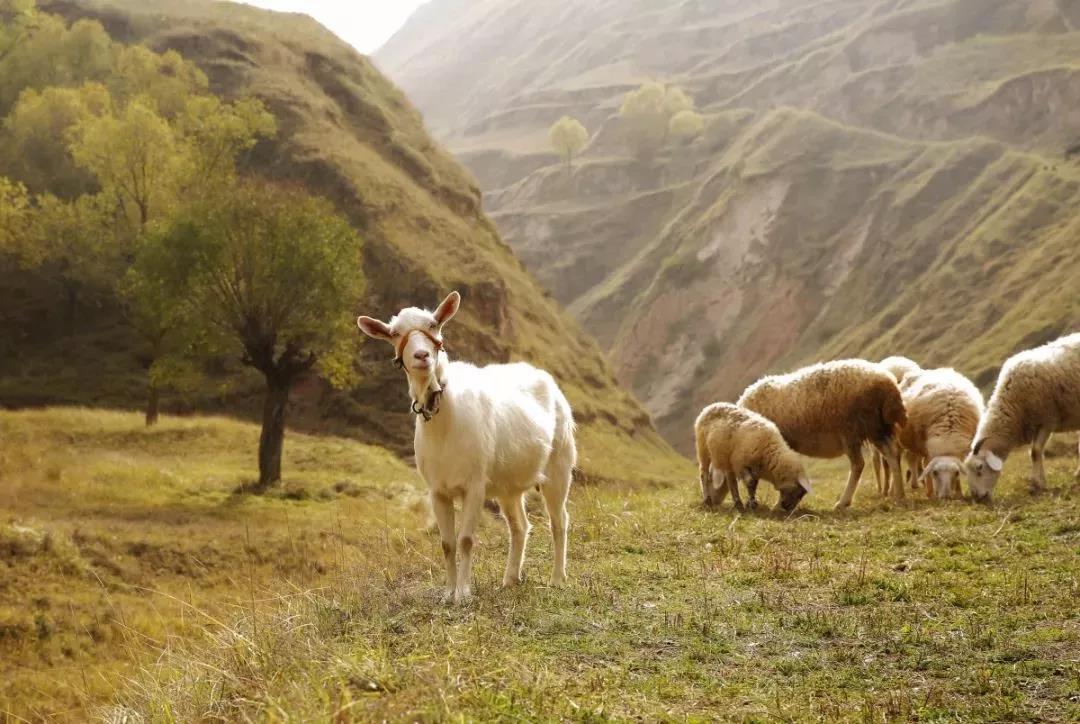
463 595
557 581
841 505
511 582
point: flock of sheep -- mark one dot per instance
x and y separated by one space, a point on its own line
932 419
500 431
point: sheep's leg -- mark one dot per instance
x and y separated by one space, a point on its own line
1038 479
890 452
443 507
733 488
751 489
855 455
705 476
517 524
879 472
471 507
555 492
719 487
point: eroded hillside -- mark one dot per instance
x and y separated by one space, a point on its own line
873 177
346 133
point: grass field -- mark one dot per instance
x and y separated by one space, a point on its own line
135 579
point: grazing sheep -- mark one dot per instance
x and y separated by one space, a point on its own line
900 367
1037 393
943 411
734 443
832 409
495 431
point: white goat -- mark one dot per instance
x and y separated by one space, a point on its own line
494 431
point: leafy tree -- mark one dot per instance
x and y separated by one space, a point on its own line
646 115
164 81
15 216
35 151
270 270
567 137
134 156
42 51
686 125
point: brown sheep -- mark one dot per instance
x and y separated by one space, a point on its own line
832 409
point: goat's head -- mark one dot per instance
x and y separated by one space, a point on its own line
417 338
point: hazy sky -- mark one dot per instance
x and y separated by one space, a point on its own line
365 24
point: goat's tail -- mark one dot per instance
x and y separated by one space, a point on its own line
563 444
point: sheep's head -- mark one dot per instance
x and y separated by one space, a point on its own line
945 472
983 469
792 492
417 338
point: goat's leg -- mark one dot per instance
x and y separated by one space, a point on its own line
517 524
855 455
443 507
472 505
1077 473
555 491
1038 471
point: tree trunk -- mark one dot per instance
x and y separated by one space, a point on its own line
273 432
152 400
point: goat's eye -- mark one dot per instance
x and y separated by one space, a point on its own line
433 325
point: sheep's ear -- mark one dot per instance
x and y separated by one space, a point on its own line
374 328
994 461
448 308
926 473
804 481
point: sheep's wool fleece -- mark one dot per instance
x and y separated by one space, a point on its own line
1037 388
943 409
733 439
829 409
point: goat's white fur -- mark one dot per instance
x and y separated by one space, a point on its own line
500 430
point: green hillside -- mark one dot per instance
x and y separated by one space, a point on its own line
346 133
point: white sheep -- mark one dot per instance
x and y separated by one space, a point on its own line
943 412
832 409
734 443
482 432
1037 393
899 367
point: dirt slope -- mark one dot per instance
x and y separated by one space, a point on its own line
873 178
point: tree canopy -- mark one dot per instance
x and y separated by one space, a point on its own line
567 137
646 114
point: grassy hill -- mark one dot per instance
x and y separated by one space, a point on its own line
346 133
874 178
136 584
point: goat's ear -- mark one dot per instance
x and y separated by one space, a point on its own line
374 328
994 461
448 308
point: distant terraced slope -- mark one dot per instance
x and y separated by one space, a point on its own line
875 177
